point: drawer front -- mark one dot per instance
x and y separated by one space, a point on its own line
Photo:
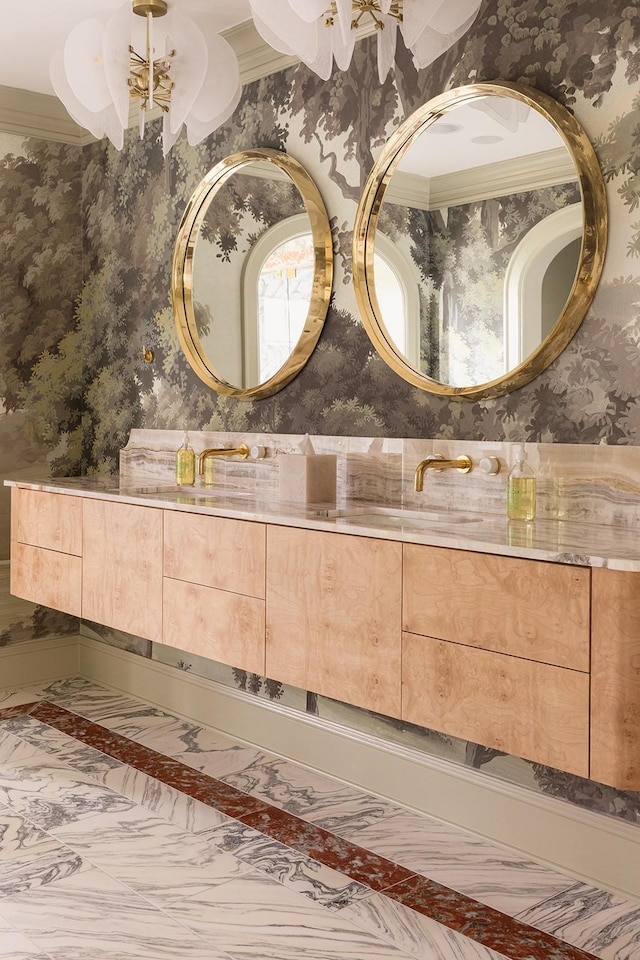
47 577
215 552
212 623
526 608
333 616
122 567
531 710
49 520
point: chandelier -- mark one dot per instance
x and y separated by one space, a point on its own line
149 56
320 32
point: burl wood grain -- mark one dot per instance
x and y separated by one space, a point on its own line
333 616
215 552
615 679
526 608
528 709
122 567
48 577
222 626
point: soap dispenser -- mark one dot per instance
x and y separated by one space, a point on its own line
521 488
185 464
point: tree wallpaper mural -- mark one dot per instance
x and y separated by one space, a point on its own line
87 240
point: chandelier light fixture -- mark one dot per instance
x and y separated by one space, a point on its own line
151 56
320 32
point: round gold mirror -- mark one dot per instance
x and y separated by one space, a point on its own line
479 240
252 272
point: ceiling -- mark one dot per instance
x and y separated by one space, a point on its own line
32 31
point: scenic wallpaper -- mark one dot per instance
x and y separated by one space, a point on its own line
86 244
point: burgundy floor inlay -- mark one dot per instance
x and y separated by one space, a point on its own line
487 926
346 857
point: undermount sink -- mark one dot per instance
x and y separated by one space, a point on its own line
397 517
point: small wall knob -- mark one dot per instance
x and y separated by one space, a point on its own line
489 465
257 452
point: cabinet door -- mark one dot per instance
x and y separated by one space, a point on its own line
215 552
49 520
526 608
528 709
333 616
122 567
216 624
615 679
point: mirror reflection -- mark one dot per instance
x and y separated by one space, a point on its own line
253 267
489 207
252 272
480 230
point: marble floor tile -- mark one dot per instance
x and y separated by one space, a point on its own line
50 793
30 857
112 924
158 860
289 867
255 917
19 696
16 946
12 747
469 864
598 921
411 932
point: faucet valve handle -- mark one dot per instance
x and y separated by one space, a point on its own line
489 465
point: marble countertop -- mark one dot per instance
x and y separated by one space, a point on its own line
557 541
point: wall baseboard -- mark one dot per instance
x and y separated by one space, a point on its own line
38 661
589 846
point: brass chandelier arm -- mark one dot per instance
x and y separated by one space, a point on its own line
360 9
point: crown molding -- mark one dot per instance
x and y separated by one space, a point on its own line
29 114
546 169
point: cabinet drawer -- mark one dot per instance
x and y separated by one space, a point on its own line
215 552
122 567
333 616
212 623
47 577
526 608
49 520
532 710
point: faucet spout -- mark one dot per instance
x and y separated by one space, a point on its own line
462 464
242 451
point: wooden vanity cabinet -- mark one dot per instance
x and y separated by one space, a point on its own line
334 615
214 588
46 549
122 567
483 637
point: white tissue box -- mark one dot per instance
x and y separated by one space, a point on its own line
307 477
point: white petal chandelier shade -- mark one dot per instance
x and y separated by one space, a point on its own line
162 60
320 32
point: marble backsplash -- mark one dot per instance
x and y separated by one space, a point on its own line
576 482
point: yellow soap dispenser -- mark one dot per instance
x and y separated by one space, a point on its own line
185 464
521 488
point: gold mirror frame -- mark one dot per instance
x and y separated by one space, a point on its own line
594 237
182 272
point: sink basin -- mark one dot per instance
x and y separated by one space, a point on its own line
397 517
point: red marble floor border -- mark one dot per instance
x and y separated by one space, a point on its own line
480 923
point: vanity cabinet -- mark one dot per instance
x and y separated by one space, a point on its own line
214 589
536 659
46 549
122 566
496 651
334 615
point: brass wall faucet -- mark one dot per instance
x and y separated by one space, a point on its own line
462 464
242 451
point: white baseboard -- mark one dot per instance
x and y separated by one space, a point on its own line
589 846
38 661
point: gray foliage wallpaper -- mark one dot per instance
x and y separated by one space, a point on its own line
72 376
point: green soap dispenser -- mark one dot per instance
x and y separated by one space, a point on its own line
185 464
521 488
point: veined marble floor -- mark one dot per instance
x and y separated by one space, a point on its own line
127 832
